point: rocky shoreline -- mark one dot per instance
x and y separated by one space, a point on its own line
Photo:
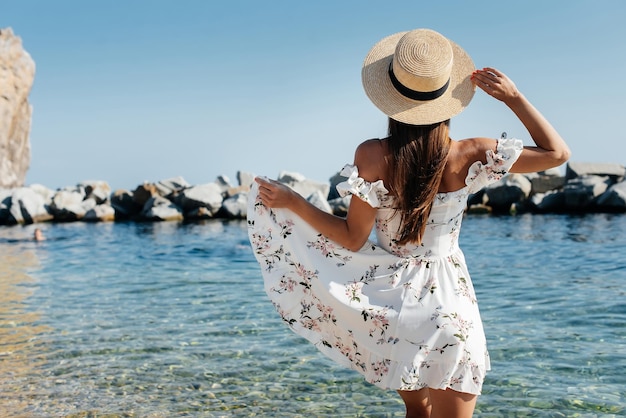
584 188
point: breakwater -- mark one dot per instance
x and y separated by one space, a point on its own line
583 188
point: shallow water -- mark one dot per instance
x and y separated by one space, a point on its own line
169 319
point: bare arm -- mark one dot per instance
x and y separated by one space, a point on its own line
350 232
550 150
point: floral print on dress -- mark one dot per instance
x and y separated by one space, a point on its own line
329 249
270 256
378 322
455 320
354 291
404 316
382 226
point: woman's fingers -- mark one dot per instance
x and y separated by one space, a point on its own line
493 71
493 82
262 180
486 78
264 189
271 193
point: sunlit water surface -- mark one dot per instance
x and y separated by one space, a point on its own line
169 320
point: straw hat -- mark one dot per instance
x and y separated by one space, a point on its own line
418 77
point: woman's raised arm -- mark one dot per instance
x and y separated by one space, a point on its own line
550 150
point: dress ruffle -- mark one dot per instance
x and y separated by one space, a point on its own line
371 193
498 164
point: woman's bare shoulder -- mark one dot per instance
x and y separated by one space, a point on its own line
369 157
370 146
463 154
475 149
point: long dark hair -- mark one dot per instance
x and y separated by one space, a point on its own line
418 157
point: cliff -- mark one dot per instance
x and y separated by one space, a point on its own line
17 73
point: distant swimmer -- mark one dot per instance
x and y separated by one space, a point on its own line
39 235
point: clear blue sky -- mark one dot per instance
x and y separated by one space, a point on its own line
144 90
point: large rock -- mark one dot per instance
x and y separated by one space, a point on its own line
143 193
17 73
124 205
171 187
158 208
552 201
5 205
207 196
581 192
340 205
615 171
235 207
28 205
233 191
546 181
512 189
334 181
224 183
198 214
67 204
614 199
245 178
98 190
302 185
100 213
319 200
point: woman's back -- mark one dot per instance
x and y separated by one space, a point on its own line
441 235
462 155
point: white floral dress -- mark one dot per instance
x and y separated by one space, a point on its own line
403 316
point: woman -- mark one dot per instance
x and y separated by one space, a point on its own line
402 311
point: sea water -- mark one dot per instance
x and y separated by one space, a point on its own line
170 320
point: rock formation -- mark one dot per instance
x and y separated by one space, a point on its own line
17 73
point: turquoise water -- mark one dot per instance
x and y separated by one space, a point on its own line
169 320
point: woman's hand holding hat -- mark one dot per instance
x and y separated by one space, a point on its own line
495 83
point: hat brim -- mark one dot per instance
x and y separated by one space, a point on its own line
380 90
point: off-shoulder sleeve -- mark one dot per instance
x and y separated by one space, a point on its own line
371 193
498 164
